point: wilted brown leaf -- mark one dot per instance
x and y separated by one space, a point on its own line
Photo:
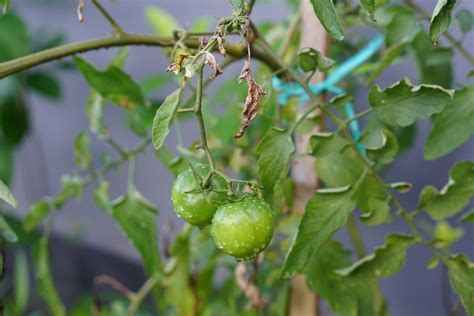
254 93
211 61
80 10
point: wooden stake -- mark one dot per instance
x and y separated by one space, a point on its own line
303 302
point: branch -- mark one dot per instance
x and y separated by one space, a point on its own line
11 67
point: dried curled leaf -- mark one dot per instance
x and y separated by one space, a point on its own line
80 10
202 41
251 102
173 68
220 44
177 66
211 61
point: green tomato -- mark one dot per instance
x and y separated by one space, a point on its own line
196 208
243 228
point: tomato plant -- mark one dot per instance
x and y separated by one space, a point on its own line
295 147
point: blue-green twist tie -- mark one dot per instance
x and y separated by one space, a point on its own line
293 89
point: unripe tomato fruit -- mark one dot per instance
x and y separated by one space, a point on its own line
195 208
243 228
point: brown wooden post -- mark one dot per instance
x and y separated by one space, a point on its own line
302 301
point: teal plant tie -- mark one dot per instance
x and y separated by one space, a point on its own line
292 89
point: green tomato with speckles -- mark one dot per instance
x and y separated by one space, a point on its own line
243 228
197 208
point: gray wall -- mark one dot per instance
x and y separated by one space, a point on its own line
47 154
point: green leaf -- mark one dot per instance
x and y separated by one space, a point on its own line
178 291
101 196
325 213
202 24
369 7
344 295
309 59
386 150
327 15
378 212
37 212
155 82
434 62
342 167
341 100
112 84
15 44
45 285
7 163
325 143
453 197
401 104
95 114
224 128
164 117
272 167
465 20
445 235
441 18
174 164
44 83
137 219
82 151
453 126
71 186
7 233
403 25
461 277
162 22
14 118
389 55
6 5
386 260
468 217
120 58
432 263
21 282
24 238
7 196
